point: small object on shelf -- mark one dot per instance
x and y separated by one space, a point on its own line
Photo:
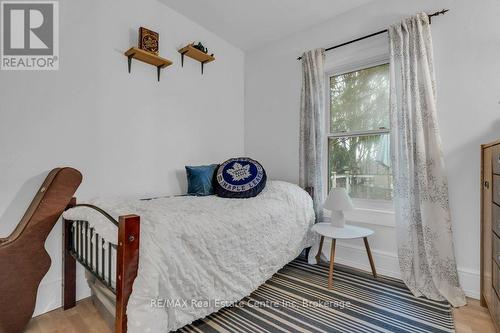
200 47
147 57
149 40
194 52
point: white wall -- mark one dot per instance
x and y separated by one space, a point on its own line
127 133
466 47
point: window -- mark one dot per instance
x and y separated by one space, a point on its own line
359 129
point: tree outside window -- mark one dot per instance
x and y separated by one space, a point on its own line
358 142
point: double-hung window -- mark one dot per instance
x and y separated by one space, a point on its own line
359 156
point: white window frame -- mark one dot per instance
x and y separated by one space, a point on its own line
378 212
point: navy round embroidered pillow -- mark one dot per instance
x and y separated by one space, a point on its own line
240 178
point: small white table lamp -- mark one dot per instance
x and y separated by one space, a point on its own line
337 202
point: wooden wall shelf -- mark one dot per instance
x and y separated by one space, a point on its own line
194 53
149 58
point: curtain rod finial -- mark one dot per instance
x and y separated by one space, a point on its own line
441 12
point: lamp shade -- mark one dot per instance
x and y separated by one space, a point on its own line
338 199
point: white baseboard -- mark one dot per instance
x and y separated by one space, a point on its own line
49 295
470 282
387 264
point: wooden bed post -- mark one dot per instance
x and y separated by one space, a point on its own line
68 264
126 267
310 190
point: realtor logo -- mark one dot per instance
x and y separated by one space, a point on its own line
29 35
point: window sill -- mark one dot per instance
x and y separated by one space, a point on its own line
371 212
371 216
375 205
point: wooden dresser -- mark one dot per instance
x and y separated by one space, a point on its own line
490 229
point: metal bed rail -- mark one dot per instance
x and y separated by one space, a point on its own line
97 255
90 250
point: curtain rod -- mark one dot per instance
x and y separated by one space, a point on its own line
441 12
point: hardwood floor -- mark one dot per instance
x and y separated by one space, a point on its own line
473 318
84 318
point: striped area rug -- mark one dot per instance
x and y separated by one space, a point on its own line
296 299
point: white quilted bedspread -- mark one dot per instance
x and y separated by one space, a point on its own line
199 253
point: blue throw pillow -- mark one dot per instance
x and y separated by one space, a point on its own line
200 179
240 178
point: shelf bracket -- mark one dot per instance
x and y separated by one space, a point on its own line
130 62
202 66
197 55
158 68
148 58
182 58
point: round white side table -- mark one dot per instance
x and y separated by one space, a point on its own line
326 229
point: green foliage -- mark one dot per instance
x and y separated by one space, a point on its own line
360 102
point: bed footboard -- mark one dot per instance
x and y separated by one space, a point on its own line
81 243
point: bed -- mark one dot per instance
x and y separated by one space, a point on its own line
197 254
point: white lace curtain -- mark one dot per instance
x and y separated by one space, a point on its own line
423 223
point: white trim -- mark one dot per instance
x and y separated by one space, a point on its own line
470 281
387 264
372 216
377 205
381 130
369 215
358 65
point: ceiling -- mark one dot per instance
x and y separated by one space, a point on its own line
252 23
